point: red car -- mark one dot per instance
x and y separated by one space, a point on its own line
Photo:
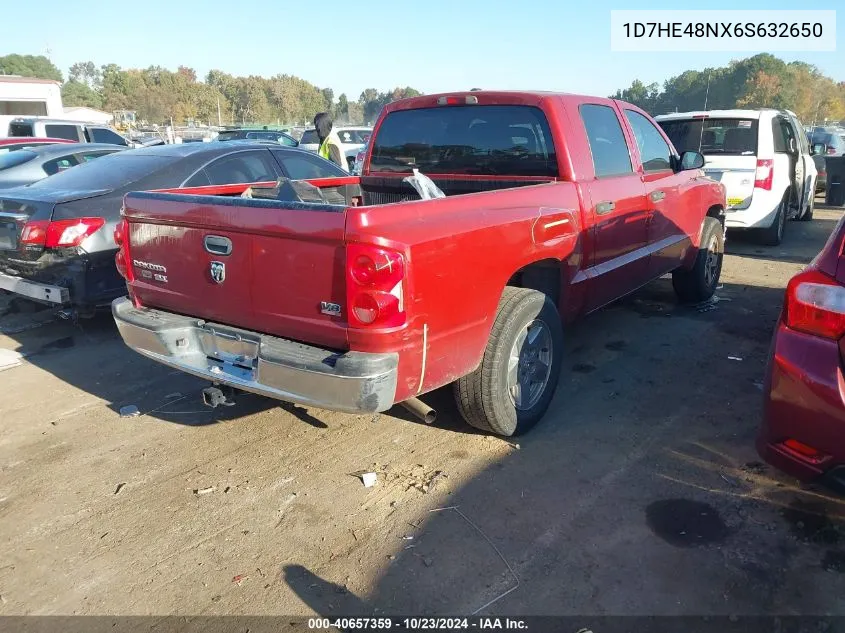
803 429
15 143
366 295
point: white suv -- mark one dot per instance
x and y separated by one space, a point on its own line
761 156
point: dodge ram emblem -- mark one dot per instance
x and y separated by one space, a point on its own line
218 272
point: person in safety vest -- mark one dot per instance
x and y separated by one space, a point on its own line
329 140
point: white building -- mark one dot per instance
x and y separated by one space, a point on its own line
88 115
26 96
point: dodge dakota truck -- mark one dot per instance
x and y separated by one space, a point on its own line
555 205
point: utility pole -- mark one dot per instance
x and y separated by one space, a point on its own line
219 120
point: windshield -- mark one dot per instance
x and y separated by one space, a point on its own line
713 136
106 173
354 137
309 137
13 159
496 140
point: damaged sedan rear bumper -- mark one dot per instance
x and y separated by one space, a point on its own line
352 382
33 290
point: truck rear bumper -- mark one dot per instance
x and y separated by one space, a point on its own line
352 382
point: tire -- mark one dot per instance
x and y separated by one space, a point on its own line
808 212
699 283
488 398
773 235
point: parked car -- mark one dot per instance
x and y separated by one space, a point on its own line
761 156
803 430
56 235
310 140
821 172
73 131
358 165
28 165
258 134
828 143
555 205
13 144
352 141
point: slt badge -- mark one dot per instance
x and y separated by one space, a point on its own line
218 272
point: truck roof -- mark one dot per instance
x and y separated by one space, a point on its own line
484 97
718 114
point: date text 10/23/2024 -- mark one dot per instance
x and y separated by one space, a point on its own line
417 624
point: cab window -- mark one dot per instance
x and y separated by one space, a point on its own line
611 156
654 151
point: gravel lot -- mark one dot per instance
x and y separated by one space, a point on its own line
640 493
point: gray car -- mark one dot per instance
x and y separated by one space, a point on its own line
29 165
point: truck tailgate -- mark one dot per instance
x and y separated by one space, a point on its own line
261 265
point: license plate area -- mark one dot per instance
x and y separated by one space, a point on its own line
8 235
228 348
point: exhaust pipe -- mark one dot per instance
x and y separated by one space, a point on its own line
420 409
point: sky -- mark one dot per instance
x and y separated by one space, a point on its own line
431 45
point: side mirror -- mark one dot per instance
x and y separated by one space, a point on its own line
691 160
816 149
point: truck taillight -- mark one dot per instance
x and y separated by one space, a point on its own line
60 234
121 258
815 304
764 173
374 285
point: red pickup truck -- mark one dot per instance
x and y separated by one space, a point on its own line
555 205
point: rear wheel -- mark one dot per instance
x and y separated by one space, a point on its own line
512 387
699 283
773 235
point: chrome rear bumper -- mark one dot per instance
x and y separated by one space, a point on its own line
34 290
353 382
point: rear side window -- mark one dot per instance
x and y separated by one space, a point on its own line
309 137
105 135
302 166
242 167
654 151
491 140
611 156
228 135
70 132
20 129
736 137
59 164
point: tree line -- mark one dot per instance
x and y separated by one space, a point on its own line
761 81
157 94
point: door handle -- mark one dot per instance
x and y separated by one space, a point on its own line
603 208
217 245
657 196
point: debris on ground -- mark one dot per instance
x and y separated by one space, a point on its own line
129 411
369 479
175 394
756 468
120 487
239 579
204 491
734 358
408 537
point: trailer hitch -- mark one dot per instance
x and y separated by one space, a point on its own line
214 397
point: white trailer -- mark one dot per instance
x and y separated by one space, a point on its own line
28 97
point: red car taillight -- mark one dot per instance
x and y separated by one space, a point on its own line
815 304
121 258
764 173
61 234
831 151
374 286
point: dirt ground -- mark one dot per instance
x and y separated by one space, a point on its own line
639 494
